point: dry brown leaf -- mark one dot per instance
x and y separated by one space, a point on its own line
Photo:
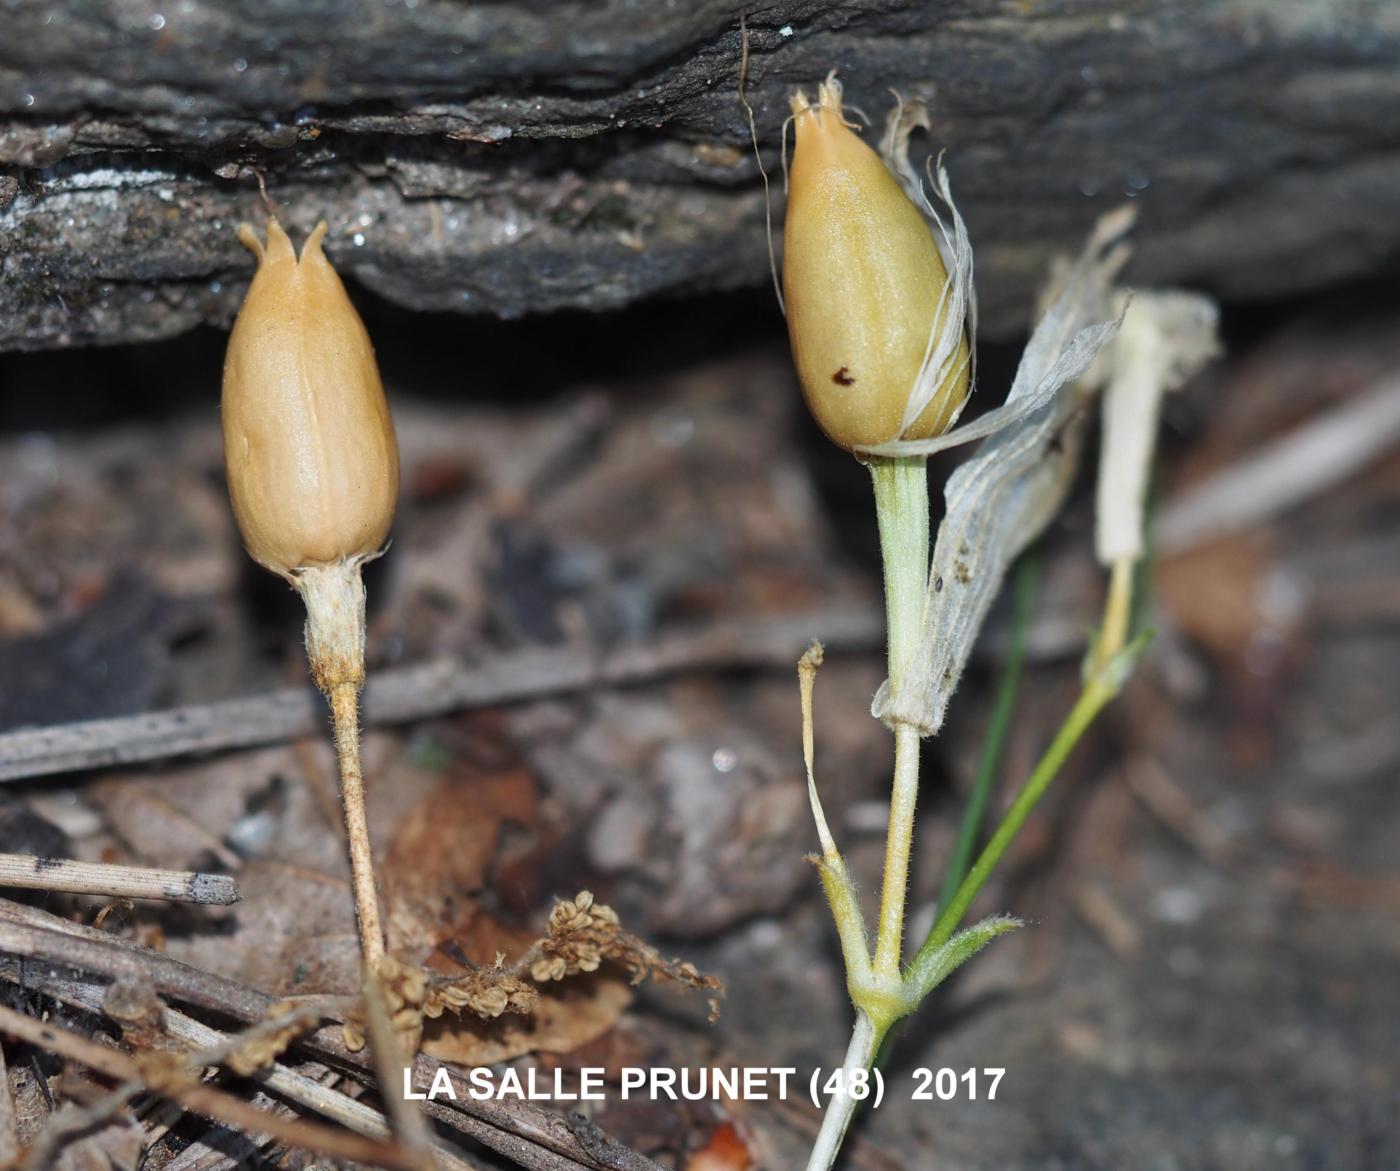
153 825
441 857
1229 597
293 934
442 851
1215 592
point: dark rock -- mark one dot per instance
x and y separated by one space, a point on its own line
517 157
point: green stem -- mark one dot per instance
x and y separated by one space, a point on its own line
889 937
901 507
998 727
865 1040
1097 692
1117 614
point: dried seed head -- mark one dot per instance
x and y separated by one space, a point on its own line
864 285
313 465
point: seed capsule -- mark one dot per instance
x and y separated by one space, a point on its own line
313 465
313 473
862 279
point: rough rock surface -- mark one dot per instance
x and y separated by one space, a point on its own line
515 157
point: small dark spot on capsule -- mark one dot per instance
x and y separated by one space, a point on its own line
938 584
843 377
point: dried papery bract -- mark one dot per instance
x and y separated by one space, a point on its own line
998 501
313 474
866 289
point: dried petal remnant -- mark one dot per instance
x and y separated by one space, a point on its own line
864 284
313 465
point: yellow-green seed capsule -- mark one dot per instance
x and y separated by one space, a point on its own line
863 280
313 465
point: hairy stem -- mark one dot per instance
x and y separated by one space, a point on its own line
901 507
865 1040
345 707
335 644
889 938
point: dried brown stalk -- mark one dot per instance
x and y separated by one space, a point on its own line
520 1131
176 1081
31 872
430 689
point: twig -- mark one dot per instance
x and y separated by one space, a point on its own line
22 935
534 1138
205 1100
74 1119
220 1149
552 1143
277 1078
430 689
9 1133
386 1050
1302 464
131 882
349 1112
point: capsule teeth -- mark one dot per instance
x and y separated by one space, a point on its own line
312 247
279 245
249 239
829 94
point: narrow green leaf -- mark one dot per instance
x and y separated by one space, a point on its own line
998 730
932 966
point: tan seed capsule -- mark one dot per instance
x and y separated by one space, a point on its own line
313 473
313 465
862 280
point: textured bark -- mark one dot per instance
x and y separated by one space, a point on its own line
514 157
